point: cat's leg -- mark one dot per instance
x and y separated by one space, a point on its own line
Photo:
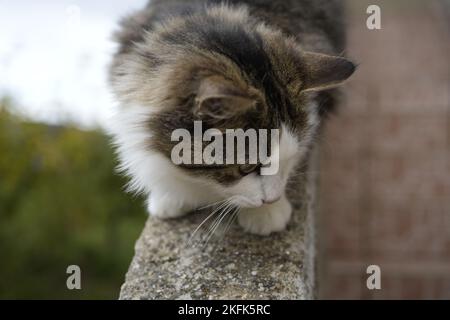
266 219
166 206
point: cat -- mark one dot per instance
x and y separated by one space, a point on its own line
270 64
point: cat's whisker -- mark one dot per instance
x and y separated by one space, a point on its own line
191 238
220 204
199 227
218 221
231 215
230 221
226 220
236 208
223 203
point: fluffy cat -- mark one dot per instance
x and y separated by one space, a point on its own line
269 64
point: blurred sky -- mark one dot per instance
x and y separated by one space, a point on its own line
54 57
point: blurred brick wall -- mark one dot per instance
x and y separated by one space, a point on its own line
385 159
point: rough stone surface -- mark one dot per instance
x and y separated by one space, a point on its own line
237 266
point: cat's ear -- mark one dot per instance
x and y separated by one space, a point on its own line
324 71
220 99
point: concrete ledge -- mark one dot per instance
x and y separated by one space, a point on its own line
241 266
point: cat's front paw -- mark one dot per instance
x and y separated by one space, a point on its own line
164 207
266 219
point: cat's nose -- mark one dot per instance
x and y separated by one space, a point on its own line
271 200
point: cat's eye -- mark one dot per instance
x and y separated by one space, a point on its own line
248 168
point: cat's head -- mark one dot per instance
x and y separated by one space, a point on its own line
229 71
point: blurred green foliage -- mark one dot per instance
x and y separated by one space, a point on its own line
60 204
